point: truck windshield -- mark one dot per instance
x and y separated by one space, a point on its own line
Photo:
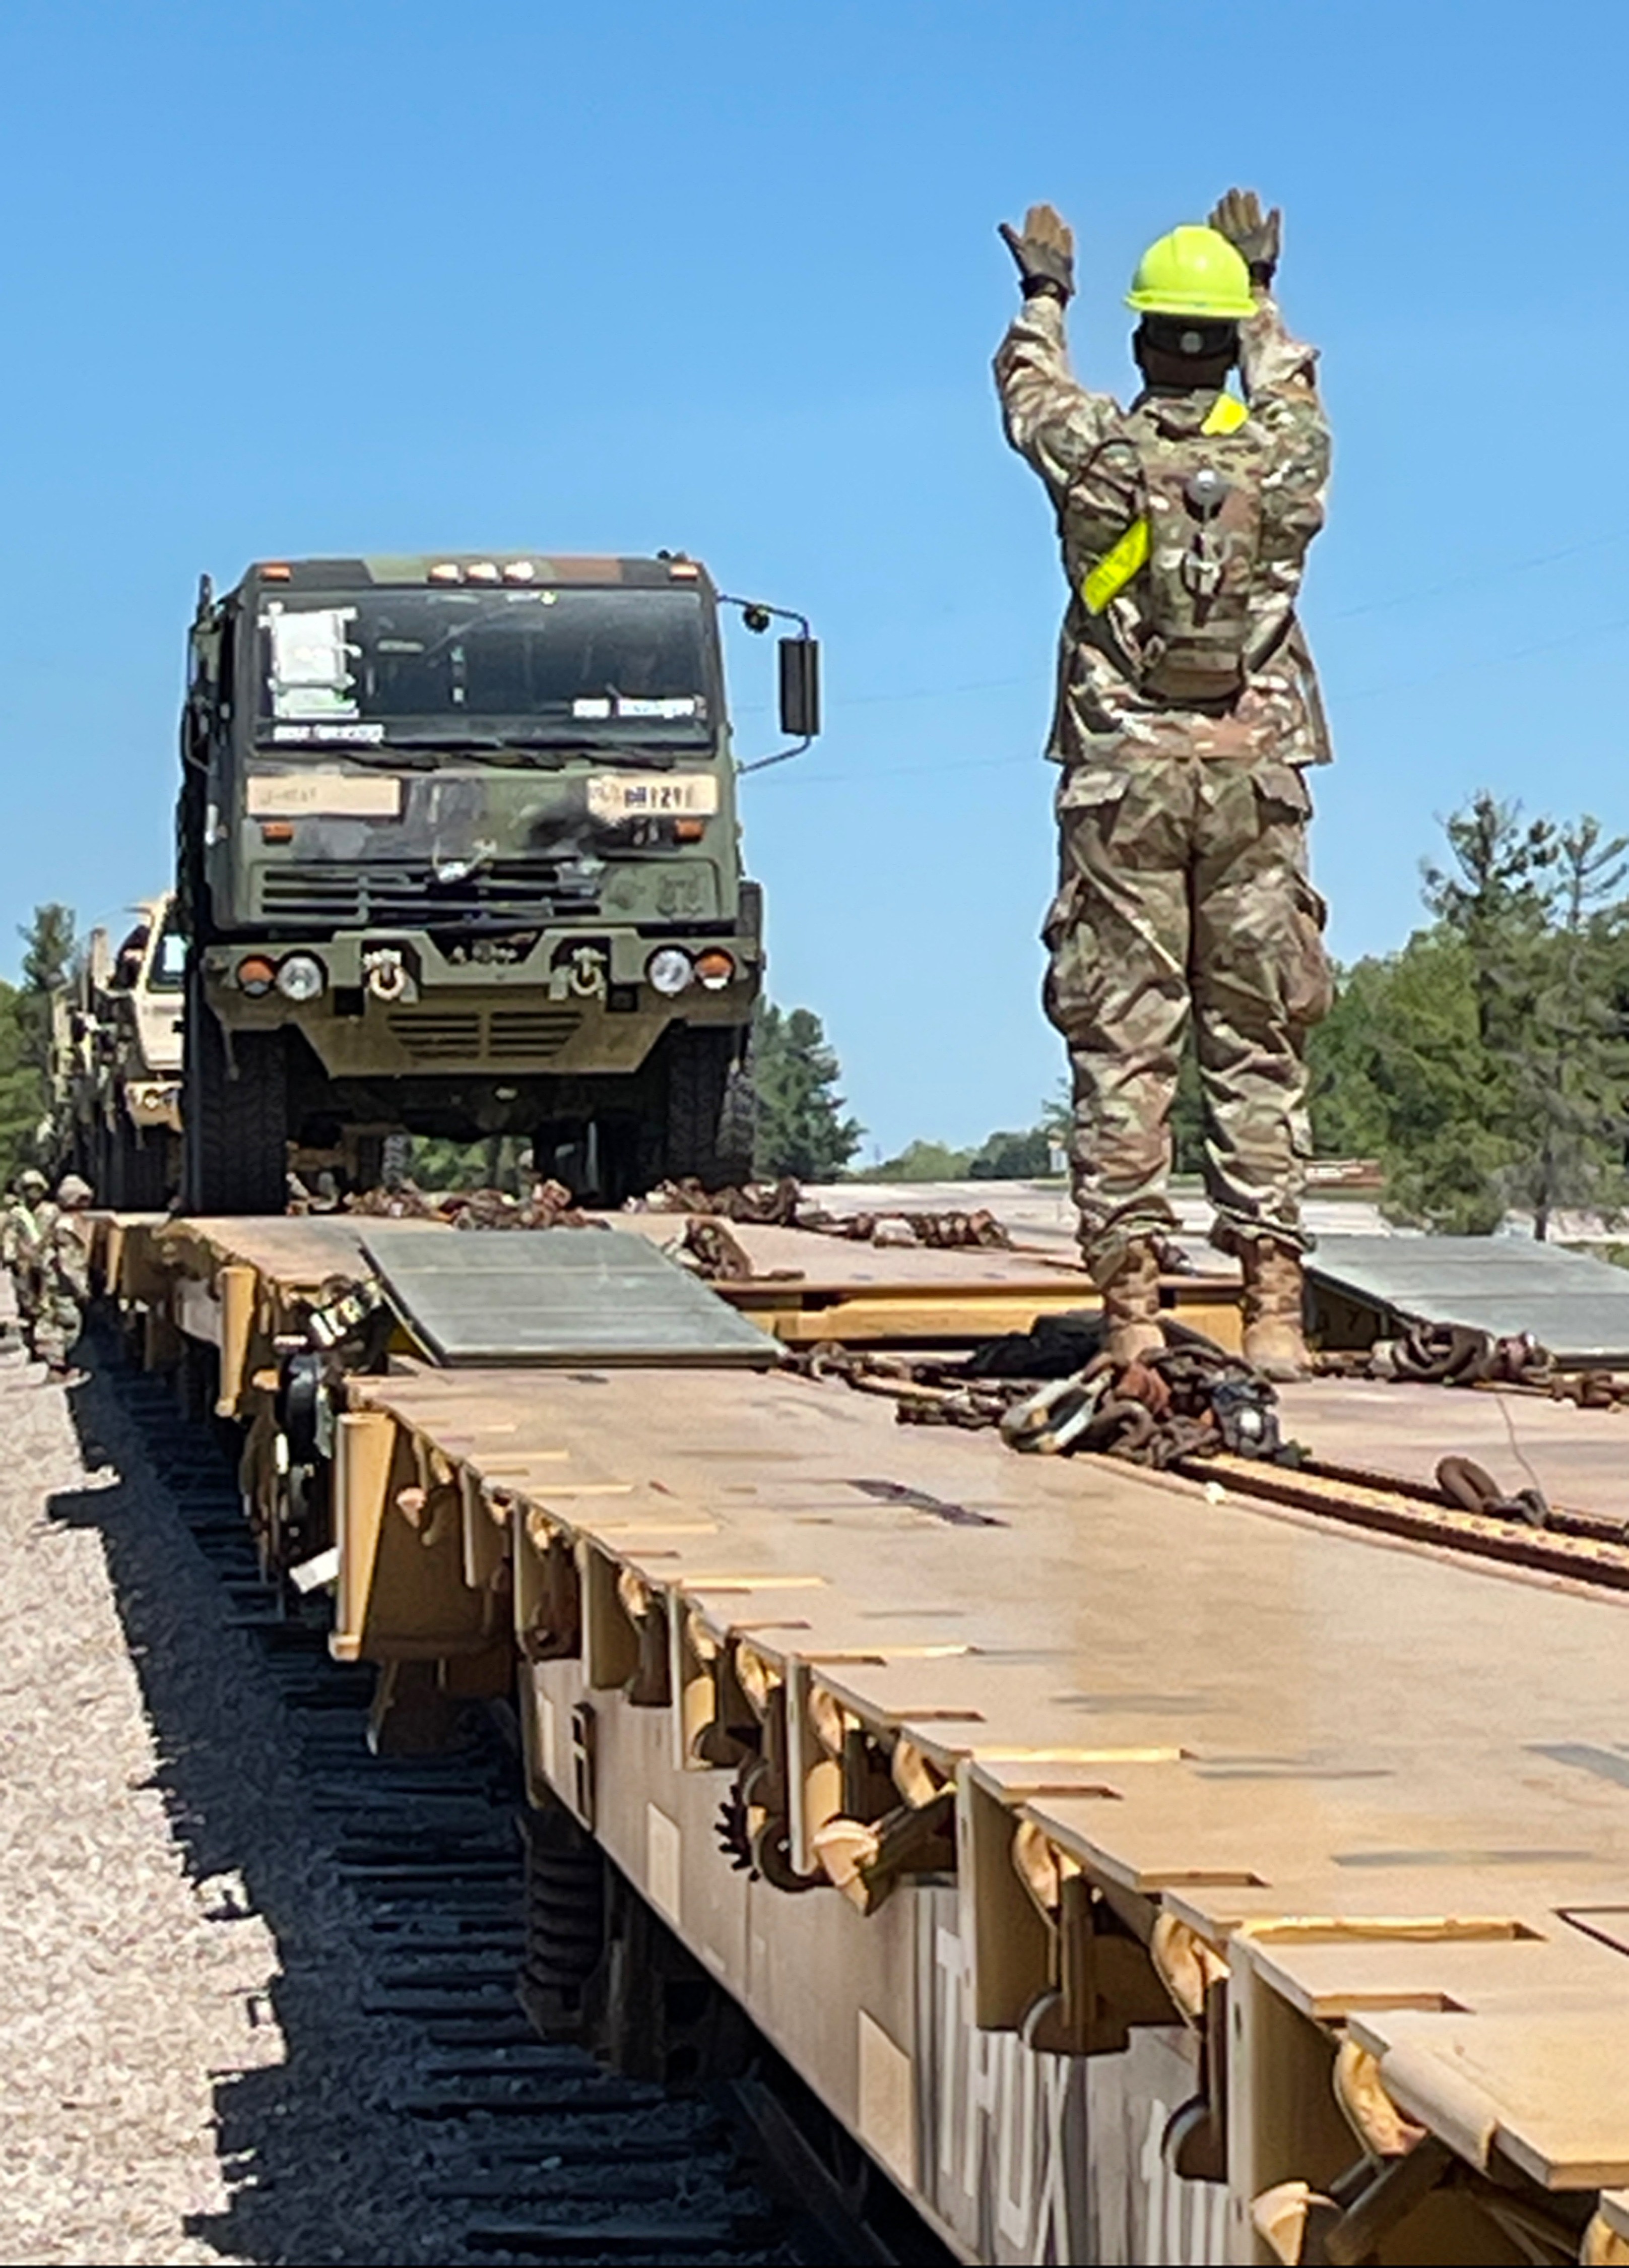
562 665
168 972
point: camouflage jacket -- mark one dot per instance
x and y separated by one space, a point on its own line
1103 714
65 1257
23 1230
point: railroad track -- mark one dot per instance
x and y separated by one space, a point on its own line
511 2148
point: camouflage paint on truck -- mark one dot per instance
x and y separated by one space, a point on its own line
458 854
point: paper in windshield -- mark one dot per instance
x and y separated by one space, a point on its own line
311 674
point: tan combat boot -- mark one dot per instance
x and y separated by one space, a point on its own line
1274 1291
1131 1304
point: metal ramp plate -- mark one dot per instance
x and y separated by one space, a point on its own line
1575 1307
558 1297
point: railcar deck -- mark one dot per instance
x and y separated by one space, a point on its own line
1058 1798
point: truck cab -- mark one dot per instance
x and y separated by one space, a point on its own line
458 855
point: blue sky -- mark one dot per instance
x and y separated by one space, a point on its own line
304 277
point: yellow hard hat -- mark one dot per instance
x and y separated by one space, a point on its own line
1193 271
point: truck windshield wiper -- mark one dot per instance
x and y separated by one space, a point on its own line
395 760
474 737
658 760
509 748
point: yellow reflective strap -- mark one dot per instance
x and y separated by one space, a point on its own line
1109 578
1227 413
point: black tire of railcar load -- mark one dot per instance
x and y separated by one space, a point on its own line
235 1108
139 1163
708 1112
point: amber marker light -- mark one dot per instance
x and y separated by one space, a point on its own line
276 830
275 571
714 970
689 831
256 975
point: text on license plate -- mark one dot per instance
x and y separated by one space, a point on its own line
613 796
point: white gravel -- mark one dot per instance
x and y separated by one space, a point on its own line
123 1986
188 2069
193 2062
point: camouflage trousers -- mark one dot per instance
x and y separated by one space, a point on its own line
1183 893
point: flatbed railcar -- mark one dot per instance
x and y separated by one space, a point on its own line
1130 1867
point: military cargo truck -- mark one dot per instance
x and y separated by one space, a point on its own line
458 856
116 1060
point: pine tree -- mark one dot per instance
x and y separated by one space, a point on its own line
22 1095
1570 1070
802 1128
25 1039
1487 1062
47 953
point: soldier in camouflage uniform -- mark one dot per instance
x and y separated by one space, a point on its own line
1186 711
27 1213
29 1216
60 1269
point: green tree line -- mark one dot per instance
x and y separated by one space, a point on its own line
1485 1063
26 1041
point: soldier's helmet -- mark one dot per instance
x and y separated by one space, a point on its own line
31 1182
1194 272
71 1190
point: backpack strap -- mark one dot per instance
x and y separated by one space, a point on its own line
1109 578
1227 413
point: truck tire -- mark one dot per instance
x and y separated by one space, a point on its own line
235 1110
708 1116
139 1168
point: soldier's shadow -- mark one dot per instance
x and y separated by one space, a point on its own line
302 2139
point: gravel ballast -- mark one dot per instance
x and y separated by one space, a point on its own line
128 1981
191 2071
257 1990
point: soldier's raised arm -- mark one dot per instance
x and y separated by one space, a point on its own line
1052 421
1279 373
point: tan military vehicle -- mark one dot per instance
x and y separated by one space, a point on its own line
117 1043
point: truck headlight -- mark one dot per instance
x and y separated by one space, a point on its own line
668 969
301 977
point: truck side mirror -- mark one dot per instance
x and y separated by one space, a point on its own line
800 687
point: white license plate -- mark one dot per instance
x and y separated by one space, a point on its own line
613 796
322 795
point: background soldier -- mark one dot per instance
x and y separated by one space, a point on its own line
1186 708
62 1269
29 1215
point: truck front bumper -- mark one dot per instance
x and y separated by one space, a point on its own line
392 1004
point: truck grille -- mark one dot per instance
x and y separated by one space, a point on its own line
436 1035
399 897
432 1036
512 1031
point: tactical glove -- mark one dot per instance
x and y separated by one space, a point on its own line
1255 236
1045 253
